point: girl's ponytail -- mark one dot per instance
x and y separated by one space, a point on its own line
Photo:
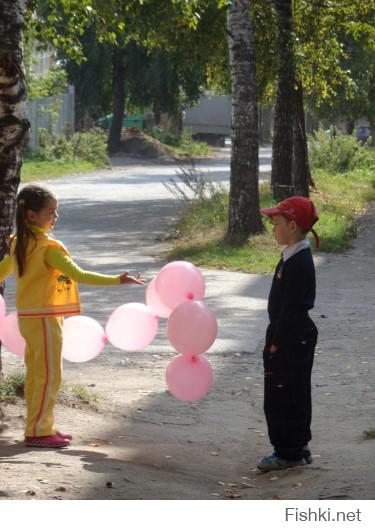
31 197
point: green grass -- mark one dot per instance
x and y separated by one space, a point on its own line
193 149
12 387
340 199
369 434
84 394
44 169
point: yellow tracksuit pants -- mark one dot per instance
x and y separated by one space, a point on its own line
43 362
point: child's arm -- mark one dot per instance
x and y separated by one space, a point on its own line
6 267
57 259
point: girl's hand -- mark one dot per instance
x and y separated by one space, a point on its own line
126 278
273 348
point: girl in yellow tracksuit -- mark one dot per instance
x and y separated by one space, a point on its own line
46 292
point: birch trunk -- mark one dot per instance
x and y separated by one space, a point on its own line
244 216
13 123
282 147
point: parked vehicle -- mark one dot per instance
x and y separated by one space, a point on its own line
363 134
210 119
129 121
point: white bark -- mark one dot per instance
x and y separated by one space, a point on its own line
244 217
13 123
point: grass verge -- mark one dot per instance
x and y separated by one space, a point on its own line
12 387
44 169
192 150
340 198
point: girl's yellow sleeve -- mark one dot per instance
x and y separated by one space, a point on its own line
6 267
56 258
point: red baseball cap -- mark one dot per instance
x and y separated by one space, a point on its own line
298 209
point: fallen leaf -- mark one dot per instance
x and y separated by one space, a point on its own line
215 494
232 495
221 483
109 484
274 478
214 453
61 488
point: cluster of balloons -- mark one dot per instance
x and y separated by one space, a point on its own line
176 293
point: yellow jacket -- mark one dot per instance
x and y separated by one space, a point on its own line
48 286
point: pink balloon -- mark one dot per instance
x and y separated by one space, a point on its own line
179 281
132 327
189 378
83 339
192 328
2 307
10 335
154 303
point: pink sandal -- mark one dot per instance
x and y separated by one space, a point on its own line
53 441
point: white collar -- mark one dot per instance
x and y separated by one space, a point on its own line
289 251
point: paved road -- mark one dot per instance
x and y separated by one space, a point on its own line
115 220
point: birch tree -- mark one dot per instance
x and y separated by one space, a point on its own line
244 216
13 123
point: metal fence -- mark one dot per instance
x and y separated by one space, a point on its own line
55 114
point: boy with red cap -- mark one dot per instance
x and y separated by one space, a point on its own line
291 337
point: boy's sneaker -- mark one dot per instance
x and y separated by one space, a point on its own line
307 455
53 441
274 463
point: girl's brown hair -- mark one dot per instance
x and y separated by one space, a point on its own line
32 197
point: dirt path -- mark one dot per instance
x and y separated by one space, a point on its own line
141 443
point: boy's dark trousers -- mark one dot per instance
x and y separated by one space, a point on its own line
287 390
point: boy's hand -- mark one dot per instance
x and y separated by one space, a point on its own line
126 278
273 348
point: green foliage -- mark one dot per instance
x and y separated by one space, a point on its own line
183 144
339 152
369 434
34 169
12 386
166 135
339 197
52 83
90 146
84 394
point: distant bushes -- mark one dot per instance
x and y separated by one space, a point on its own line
339 153
90 146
